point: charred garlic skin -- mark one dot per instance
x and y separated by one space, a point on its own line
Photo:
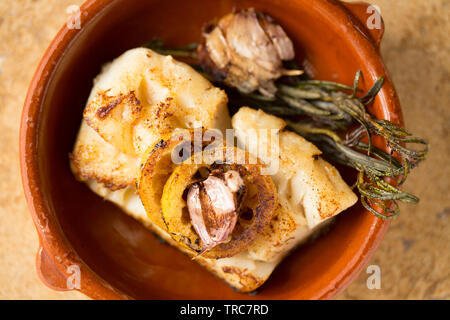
213 206
246 50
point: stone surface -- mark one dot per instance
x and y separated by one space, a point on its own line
414 257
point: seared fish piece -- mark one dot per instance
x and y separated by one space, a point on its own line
310 190
136 99
143 95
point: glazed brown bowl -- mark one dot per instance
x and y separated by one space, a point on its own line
118 257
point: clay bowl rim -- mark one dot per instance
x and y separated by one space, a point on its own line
47 224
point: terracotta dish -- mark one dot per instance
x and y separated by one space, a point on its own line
118 257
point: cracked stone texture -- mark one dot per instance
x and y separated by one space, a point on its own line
414 257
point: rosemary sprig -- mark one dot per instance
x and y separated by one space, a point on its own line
326 103
372 169
333 109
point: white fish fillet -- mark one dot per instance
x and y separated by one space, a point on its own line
310 190
137 98
107 156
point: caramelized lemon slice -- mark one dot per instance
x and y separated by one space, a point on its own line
253 213
160 160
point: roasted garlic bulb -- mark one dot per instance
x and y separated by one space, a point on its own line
246 50
214 204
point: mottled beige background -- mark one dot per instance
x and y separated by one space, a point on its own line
414 256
